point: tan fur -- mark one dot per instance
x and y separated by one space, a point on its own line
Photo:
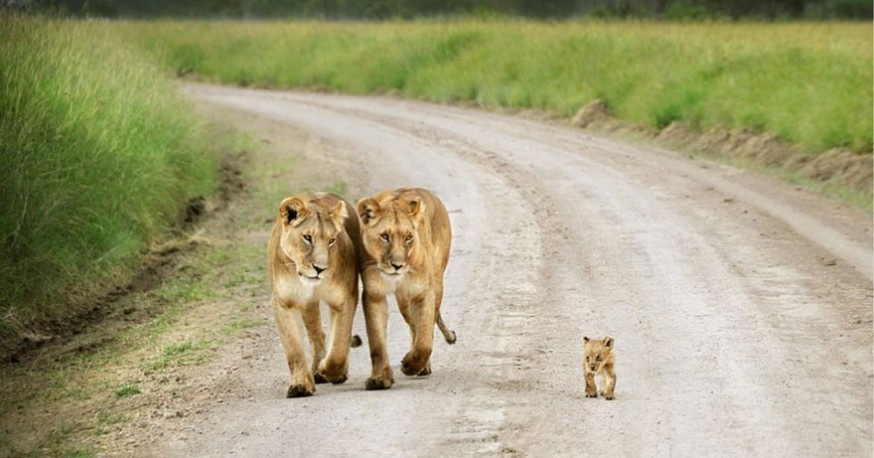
599 359
406 237
304 273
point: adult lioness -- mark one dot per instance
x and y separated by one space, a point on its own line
406 237
313 257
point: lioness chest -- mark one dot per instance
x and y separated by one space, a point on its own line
300 291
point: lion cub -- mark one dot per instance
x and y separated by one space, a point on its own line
599 359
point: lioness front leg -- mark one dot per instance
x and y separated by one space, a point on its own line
288 322
335 366
404 303
417 359
312 320
376 319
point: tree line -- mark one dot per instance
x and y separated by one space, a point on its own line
406 9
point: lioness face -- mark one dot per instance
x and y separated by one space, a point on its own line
309 235
597 352
390 234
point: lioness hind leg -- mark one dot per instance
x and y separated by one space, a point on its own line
288 322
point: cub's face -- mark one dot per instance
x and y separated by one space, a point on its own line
390 236
597 352
309 236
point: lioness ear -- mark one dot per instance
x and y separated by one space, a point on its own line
292 209
608 342
339 214
368 210
416 207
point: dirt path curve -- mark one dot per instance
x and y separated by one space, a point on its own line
741 306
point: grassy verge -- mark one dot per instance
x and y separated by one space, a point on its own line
159 359
85 391
810 83
98 157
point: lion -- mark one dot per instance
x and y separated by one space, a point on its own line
313 256
406 238
599 360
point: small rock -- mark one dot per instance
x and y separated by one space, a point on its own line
829 262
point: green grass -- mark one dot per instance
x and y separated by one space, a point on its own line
810 83
98 156
189 352
126 390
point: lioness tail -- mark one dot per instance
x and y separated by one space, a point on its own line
448 334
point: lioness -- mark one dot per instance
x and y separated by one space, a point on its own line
406 237
313 257
599 360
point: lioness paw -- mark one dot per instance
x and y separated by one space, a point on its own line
300 391
319 378
378 384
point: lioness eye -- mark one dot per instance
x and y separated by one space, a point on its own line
308 238
409 238
384 237
331 242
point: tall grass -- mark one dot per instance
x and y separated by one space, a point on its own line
98 156
810 83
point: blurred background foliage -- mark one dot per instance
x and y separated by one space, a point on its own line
394 9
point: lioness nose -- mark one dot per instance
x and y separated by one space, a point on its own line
319 269
397 266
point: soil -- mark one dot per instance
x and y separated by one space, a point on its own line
840 166
741 306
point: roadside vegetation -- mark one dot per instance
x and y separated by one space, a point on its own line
809 83
99 157
155 360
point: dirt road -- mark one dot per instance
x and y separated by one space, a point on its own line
741 306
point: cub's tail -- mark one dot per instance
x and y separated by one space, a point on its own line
448 334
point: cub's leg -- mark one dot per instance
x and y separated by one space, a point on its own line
591 391
610 382
422 315
335 366
376 319
288 321
312 319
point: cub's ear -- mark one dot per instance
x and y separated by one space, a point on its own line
368 210
416 208
585 339
339 214
608 342
292 210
